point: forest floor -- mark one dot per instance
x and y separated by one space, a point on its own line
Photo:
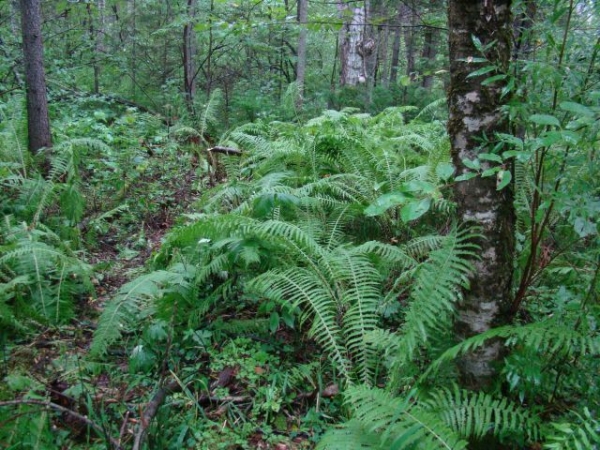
93 394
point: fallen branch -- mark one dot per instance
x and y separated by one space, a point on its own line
151 410
97 428
225 150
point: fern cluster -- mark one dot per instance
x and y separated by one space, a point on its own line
334 224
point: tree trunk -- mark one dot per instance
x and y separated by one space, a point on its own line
475 111
301 64
189 53
38 122
429 53
395 51
408 18
356 46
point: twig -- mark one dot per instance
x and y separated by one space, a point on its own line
123 427
151 410
78 416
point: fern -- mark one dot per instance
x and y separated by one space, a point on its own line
549 336
475 414
44 276
581 435
434 291
120 312
382 421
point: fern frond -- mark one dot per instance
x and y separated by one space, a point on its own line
475 414
121 311
549 336
435 289
582 435
209 114
392 422
301 287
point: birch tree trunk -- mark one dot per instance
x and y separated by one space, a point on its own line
38 122
357 46
475 110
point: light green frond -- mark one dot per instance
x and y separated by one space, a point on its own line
435 289
121 311
392 423
549 336
583 434
475 414
303 288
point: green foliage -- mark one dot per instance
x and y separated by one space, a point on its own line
383 421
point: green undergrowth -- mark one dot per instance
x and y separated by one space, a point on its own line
299 292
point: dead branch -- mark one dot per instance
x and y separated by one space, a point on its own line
151 410
225 150
97 428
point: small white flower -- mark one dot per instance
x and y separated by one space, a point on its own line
204 241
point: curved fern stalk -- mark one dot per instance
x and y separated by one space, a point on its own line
389 422
122 310
476 414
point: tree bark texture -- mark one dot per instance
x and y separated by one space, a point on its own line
301 64
408 17
357 46
395 51
429 53
38 122
189 53
475 112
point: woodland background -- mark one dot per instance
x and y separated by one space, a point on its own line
286 225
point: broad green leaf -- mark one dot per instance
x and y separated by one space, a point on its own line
493 79
415 209
490 157
490 172
544 119
466 176
444 171
576 108
418 186
482 71
477 43
385 202
504 178
474 164
274 322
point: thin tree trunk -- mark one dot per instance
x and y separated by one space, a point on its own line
408 18
301 64
395 51
38 122
189 52
381 67
475 111
429 53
